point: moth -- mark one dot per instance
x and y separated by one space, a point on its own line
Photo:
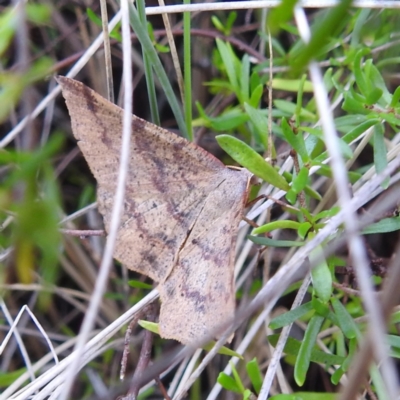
181 213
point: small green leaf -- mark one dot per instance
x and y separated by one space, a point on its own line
38 14
236 377
292 85
304 357
254 373
321 275
217 23
346 322
274 243
290 109
359 74
353 106
291 196
291 316
292 348
226 351
380 151
327 213
229 60
383 226
280 224
395 98
248 158
6 379
256 96
139 285
260 122
229 120
309 191
320 308
300 181
93 16
303 229
337 375
304 396
150 326
322 31
248 395
296 141
280 15
245 79
359 129
228 382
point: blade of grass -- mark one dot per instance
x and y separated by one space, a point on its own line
148 48
148 71
187 72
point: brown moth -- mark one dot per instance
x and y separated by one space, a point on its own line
181 212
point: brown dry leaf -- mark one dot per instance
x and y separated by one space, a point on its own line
181 213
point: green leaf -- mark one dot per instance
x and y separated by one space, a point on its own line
292 85
151 53
346 322
38 14
296 141
274 243
292 348
150 326
309 191
8 25
229 120
248 395
327 213
245 79
256 96
248 158
291 316
6 379
380 151
304 357
359 74
337 375
236 377
228 382
229 60
377 83
139 285
260 122
359 129
383 226
304 229
321 275
280 15
300 181
395 98
353 106
226 351
322 31
290 109
254 373
321 308
280 224
304 396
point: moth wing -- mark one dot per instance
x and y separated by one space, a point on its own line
198 298
169 180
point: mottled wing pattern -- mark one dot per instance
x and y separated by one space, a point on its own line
181 211
201 283
162 202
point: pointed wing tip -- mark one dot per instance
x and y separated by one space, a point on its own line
68 84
